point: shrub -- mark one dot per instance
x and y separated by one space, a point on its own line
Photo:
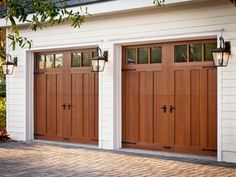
2 89
2 114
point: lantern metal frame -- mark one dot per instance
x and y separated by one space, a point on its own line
224 50
101 56
9 62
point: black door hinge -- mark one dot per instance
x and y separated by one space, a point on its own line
128 142
209 149
94 139
167 147
128 69
37 134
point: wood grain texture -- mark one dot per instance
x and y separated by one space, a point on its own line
77 89
188 87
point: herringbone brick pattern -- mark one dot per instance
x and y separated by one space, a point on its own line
39 159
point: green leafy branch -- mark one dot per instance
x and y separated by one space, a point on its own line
159 2
38 14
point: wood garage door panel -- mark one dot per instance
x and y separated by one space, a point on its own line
212 107
185 87
94 131
66 98
161 96
40 104
84 118
60 102
76 121
130 106
146 107
54 104
182 105
195 107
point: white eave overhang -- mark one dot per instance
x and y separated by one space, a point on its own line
117 6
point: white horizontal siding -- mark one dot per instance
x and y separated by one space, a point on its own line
229 156
228 114
153 23
229 131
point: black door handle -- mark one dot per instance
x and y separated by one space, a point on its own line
69 106
64 106
164 108
171 108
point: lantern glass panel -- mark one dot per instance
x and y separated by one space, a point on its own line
217 57
101 65
7 69
94 65
225 58
98 65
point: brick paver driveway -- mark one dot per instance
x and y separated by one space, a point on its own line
39 159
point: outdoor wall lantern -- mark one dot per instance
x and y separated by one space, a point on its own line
221 55
9 65
98 62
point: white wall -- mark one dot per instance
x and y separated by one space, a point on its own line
150 24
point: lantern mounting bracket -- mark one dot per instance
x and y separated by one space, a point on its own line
103 54
228 46
225 44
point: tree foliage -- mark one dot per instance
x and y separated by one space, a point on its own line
38 14
2 113
159 2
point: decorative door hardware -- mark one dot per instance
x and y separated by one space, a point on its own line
66 106
69 106
164 108
171 108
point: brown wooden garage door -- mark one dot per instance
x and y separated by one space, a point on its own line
169 97
66 97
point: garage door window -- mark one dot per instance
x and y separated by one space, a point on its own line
49 61
58 60
181 53
131 56
40 61
156 55
86 59
195 52
207 51
76 58
82 58
144 55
